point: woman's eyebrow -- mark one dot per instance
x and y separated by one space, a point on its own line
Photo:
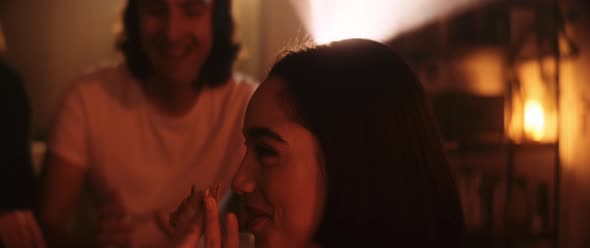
263 132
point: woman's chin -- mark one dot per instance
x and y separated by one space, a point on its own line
261 242
259 225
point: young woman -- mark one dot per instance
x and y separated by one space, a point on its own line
342 151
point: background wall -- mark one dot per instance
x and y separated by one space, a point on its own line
575 133
51 42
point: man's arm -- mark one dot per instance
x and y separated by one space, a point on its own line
61 184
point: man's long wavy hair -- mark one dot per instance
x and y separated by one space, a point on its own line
218 67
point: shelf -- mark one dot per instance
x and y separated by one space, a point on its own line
535 146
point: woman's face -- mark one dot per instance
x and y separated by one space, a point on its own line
176 36
280 177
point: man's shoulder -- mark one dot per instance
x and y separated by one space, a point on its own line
243 80
108 84
230 99
239 86
111 76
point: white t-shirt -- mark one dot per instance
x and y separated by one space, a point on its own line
107 126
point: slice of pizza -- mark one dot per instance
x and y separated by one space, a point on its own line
192 206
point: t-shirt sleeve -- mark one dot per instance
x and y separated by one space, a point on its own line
68 139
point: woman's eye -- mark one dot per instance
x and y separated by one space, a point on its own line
265 151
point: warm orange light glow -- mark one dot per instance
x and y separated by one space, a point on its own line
534 120
330 20
533 113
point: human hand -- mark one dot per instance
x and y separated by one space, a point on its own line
20 229
115 224
164 223
189 209
209 226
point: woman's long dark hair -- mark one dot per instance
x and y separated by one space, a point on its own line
388 181
218 66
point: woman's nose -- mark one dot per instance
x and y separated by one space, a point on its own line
244 180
